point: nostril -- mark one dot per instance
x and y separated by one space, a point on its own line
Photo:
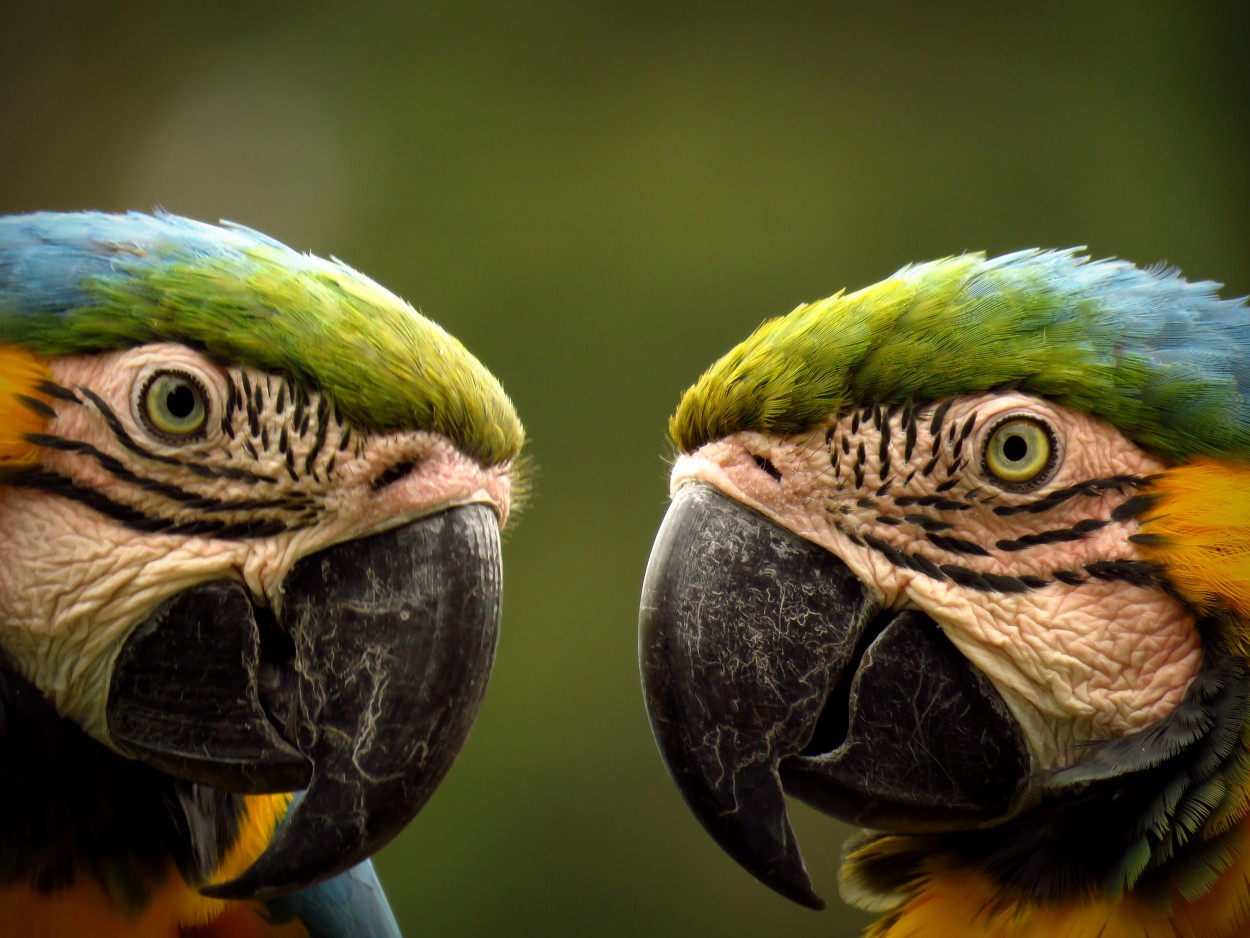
768 467
393 474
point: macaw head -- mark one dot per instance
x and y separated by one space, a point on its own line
963 558
250 505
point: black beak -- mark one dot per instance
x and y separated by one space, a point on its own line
768 668
362 690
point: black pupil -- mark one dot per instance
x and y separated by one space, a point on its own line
180 402
1015 447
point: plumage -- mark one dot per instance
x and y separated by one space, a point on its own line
1044 460
21 375
250 505
72 283
1154 355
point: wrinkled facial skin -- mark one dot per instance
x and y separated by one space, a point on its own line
1023 582
274 475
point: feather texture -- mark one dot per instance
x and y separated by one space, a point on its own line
21 374
1197 527
73 283
1154 355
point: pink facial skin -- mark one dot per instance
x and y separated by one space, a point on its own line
74 581
1085 653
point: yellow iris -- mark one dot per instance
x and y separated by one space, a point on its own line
174 405
1018 451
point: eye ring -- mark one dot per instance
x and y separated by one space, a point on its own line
1020 452
173 405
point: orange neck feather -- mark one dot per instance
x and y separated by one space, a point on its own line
962 903
20 376
1198 529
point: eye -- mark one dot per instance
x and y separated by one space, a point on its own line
1020 452
174 406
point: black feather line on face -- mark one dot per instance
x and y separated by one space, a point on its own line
935 425
1092 488
953 494
53 389
1137 573
125 439
137 520
323 425
146 472
1076 532
36 406
172 492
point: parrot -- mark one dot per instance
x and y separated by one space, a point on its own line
962 559
250 577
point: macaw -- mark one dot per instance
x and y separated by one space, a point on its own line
250 505
963 559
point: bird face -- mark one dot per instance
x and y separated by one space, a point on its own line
961 557
251 504
900 616
1021 569
197 472
263 596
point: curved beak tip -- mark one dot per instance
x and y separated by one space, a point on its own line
805 896
757 835
742 628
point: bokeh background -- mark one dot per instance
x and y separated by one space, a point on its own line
600 198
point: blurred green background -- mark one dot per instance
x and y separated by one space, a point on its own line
600 198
